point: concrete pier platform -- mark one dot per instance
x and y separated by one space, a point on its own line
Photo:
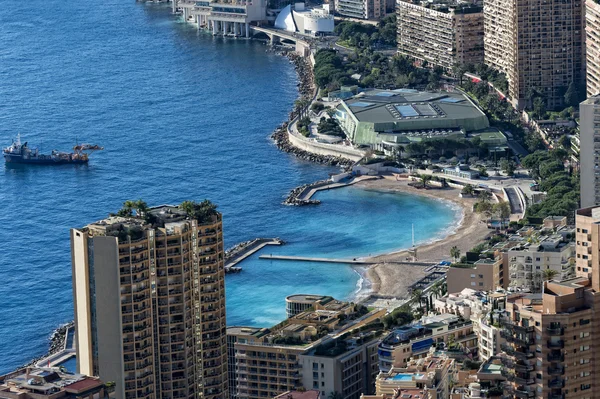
250 250
311 259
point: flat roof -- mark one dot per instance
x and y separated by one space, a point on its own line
305 298
310 394
393 106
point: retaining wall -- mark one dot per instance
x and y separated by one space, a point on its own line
323 148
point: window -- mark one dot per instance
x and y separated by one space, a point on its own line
315 375
473 283
315 366
584 361
322 383
472 276
584 374
481 276
584 334
322 375
584 348
481 284
316 384
583 322
585 386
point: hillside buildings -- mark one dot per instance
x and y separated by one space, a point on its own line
589 151
50 383
539 46
427 378
551 337
440 33
414 341
388 119
318 349
149 300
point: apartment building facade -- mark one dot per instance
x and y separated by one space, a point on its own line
589 151
149 300
483 275
364 9
592 47
551 338
440 34
539 46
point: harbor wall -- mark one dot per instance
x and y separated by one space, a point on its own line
323 148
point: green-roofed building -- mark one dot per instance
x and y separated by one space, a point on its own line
386 119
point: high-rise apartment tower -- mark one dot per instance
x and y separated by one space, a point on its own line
149 300
538 45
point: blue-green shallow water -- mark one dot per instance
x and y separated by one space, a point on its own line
182 116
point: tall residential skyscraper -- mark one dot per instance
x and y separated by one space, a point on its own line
592 47
589 151
538 45
149 296
552 344
441 33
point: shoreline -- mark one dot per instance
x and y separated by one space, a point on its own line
385 280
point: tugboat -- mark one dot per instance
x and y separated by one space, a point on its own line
22 153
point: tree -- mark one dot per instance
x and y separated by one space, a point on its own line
502 209
483 171
539 108
425 179
335 395
468 190
416 296
565 142
508 166
455 253
572 95
202 211
549 274
485 196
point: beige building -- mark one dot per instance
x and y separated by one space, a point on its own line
483 275
522 40
149 298
480 307
428 377
440 33
346 366
50 383
363 9
415 341
592 47
552 340
589 151
528 261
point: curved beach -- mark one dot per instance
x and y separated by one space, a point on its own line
392 280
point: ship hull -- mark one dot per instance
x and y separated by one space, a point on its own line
17 159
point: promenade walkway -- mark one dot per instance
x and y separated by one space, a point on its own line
322 260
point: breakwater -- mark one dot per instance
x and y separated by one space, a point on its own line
295 197
57 343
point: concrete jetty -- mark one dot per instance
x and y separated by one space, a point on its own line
252 247
322 260
310 191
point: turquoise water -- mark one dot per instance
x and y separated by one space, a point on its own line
182 115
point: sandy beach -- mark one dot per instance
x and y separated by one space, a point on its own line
391 280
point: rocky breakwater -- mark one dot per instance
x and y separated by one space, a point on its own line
57 343
307 89
294 198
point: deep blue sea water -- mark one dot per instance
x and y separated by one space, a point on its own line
182 115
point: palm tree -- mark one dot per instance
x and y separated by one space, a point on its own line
416 296
549 274
425 179
455 253
335 395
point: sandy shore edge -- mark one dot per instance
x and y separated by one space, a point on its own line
392 280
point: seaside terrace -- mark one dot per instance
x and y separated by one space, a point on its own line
386 119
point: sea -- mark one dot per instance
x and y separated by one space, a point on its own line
181 115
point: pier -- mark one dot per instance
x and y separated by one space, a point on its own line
242 252
321 260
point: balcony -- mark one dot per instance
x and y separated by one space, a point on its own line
556 370
518 338
556 383
520 353
556 344
555 331
556 357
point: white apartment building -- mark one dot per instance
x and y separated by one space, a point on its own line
589 145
